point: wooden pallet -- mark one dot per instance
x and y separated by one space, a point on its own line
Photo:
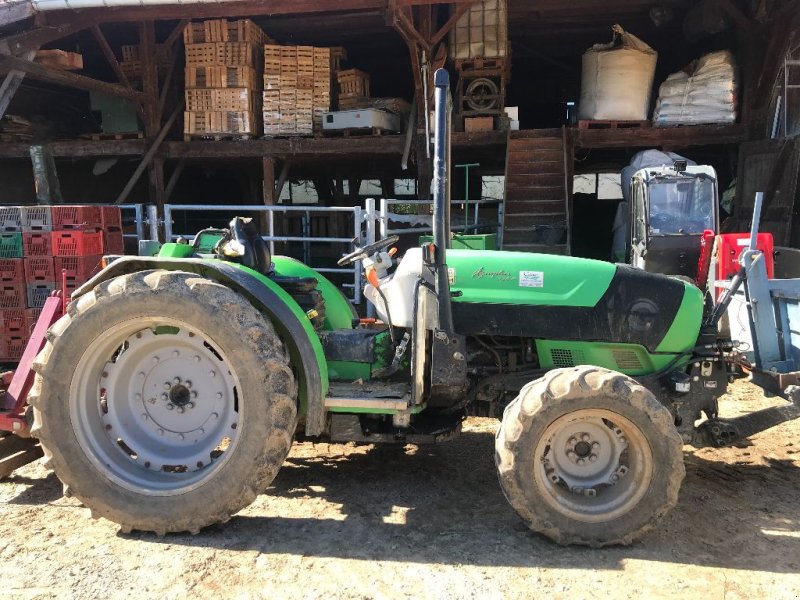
218 137
127 135
287 134
613 124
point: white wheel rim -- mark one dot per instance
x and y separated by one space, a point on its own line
155 406
593 465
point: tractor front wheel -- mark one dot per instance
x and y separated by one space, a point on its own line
164 401
588 456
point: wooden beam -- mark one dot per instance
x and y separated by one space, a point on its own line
110 56
268 188
151 154
174 36
254 8
282 179
659 137
147 55
173 179
11 84
162 101
22 42
451 22
11 13
65 78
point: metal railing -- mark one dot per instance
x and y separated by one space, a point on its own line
422 224
139 221
304 213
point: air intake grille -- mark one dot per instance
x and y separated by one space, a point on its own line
566 358
627 360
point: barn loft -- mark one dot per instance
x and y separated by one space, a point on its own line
118 134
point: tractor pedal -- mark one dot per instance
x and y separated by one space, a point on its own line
16 452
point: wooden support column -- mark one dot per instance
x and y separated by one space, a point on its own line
269 195
152 111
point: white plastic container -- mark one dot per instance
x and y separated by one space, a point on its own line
360 118
617 80
399 290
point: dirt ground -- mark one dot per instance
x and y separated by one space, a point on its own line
431 522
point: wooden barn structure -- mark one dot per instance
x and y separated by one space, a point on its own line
398 43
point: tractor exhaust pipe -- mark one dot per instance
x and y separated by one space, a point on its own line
441 196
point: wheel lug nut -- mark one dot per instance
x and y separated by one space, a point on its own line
165 396
196 358
219 395
190 405
194 394
593 458
167 385
215 415
212 373
572 441
142 374
585 437
176 353
595 445
581 461
181 409
177 380
188 384
155 359
571 454
170 406
144 416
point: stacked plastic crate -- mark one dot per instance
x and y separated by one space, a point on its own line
44 248
223 92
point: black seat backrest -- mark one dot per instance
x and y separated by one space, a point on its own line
256 251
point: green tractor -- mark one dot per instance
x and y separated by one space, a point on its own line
168 396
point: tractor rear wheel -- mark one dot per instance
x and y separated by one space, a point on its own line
588 456
164 401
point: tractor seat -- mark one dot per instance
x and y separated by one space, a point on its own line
256 252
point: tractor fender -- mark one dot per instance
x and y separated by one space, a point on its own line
294 327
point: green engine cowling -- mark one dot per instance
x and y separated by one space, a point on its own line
579 311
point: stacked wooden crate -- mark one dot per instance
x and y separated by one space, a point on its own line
297 82
131 63
223 90
353 89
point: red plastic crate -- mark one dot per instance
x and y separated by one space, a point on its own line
111 217
113 242
13 321
38 243
12 347
39 268
77 243
13 295
80 218
12 270
78 268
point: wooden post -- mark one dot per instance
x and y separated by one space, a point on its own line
152 111
269 192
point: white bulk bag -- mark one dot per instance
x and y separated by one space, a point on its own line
617 79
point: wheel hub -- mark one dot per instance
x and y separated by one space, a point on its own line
170 401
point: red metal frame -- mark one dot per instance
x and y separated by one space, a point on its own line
18 384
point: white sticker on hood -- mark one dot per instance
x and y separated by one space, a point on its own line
532 279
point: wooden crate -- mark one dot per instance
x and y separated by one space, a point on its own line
223 30
219 122
221 54
163 53
473 124
353 82
221 99
220 77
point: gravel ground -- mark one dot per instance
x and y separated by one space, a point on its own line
343 521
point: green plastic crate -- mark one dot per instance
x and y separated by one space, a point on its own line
10 245
473 241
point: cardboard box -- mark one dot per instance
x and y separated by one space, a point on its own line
475 124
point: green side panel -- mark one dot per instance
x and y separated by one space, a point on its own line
338 313
172 250
339 370
630 359
484 241
497 277
682 335
306 323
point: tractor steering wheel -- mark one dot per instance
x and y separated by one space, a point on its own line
368 250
